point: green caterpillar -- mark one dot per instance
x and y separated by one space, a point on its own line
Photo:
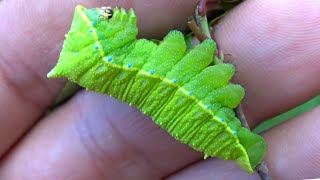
176 87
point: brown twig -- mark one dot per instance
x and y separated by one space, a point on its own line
262 168
240 115
201 12
201 17
196 30
263 171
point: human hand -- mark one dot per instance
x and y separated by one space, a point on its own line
274 45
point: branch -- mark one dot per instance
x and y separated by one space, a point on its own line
196 30
201 12
240 115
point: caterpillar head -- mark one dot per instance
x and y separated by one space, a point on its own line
94 34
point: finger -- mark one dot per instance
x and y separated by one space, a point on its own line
157 18
292 153
96 137
275 47
213 169
294 148
31 39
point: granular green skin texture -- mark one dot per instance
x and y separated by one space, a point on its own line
179 90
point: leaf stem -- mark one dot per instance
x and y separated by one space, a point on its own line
196 30
263 171
242 117
201 16
204 25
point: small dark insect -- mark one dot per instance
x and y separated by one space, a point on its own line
106 12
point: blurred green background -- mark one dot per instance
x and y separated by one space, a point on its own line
307 106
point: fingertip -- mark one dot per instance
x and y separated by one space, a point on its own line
213 169
293 147
275 58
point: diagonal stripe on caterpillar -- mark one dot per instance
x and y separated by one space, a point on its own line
178 89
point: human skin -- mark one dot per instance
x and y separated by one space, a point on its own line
273 44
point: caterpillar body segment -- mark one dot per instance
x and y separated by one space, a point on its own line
177 88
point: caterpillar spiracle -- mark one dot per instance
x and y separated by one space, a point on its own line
176 87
